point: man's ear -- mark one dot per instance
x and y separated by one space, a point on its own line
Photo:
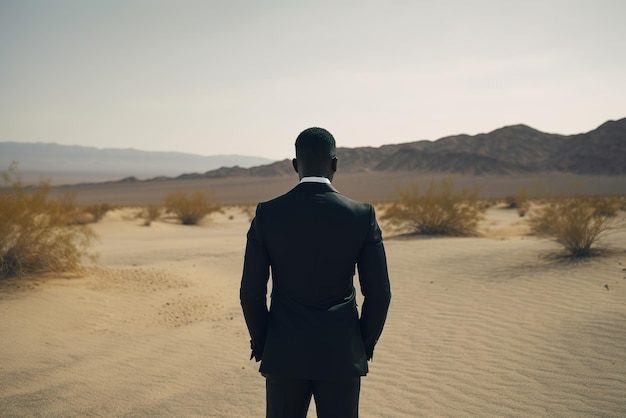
334 164
294 162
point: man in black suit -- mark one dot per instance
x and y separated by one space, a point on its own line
312 342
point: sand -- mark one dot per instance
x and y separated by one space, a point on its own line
486 326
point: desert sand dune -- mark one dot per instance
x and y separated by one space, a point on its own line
485 326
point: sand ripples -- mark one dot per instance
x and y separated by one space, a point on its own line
484 327
491 328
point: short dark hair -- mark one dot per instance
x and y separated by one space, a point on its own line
315 145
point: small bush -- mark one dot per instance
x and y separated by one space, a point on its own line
576 223
606 206
34 231
97 211
437 210
190 208
151 213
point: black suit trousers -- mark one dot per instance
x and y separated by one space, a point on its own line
334 398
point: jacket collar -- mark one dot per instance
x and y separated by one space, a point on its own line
315 179
316 187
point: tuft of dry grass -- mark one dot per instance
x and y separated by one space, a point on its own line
438 210
622 202
605 205
98 210
151 213
190 208
577 223
35 231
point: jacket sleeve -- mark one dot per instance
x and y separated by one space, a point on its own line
253 290
375 287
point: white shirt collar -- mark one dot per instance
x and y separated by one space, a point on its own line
314 180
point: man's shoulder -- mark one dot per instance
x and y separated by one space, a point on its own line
300 191
354 204
277 200
301 194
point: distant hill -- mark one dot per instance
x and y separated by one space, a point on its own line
93 164
511 150
448 161
601 151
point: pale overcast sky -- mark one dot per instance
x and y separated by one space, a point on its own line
245 76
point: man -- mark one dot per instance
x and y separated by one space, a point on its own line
312 342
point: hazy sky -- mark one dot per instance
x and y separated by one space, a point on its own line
245 76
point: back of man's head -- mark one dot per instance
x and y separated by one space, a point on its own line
315 146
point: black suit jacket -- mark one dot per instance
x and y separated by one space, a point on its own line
312 238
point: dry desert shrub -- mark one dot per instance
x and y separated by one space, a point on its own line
577 223
98 210
35 235
438 210
190 208
151 213
605 205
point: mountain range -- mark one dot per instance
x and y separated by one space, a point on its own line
510 150
93 164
